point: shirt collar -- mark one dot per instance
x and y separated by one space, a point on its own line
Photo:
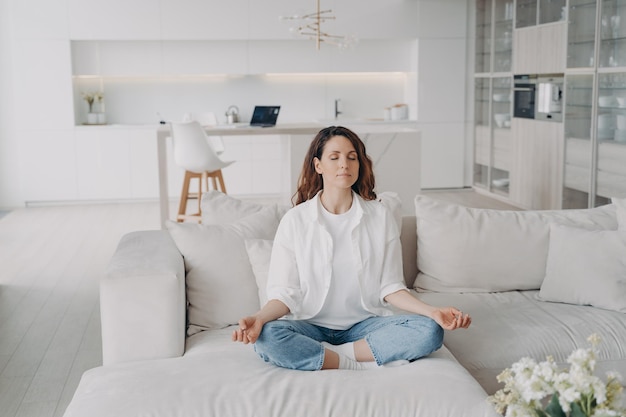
313 209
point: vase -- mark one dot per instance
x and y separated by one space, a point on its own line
102 118
92 118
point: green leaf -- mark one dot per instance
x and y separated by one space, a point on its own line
577 411
554 408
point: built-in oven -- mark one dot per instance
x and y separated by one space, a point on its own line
524 90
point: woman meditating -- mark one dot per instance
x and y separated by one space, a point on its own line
336 266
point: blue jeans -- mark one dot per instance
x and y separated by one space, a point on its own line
296 344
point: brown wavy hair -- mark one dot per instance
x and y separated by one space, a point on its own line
310 182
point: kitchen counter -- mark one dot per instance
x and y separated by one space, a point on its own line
394 147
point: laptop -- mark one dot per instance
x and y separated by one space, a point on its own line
264 116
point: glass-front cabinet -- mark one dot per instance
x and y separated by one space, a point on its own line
609 155
493 94
534 12
595 104
492 134
503 36
482 131
613 34
581 33
483 36
578 118
595 140
494 36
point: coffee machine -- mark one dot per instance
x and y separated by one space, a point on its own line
549 99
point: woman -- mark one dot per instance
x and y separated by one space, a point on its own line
336 266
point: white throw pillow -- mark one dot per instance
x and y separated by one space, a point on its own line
461 249
260 254
221 287
621 212
220 208
586 267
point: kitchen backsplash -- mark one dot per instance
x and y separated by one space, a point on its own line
302 97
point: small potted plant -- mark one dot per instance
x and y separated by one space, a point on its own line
89 97
99 97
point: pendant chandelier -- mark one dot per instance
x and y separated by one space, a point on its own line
310 27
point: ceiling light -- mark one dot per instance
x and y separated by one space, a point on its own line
310 27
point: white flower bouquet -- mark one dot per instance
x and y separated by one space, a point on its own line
534 389
90 97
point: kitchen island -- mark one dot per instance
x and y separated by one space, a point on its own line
393 146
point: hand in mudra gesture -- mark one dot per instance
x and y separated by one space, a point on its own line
451 318
248 331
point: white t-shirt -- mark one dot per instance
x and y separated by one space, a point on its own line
343 307
300 269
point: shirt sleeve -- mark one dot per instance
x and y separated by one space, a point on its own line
393 274
283 282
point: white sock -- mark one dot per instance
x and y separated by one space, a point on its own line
347 359
347 363
346 349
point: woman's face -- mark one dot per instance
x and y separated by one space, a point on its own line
339 164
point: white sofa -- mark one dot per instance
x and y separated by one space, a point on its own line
165 318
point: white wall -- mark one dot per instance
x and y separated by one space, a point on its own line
9 181
441 72
38 114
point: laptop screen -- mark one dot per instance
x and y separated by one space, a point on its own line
264 116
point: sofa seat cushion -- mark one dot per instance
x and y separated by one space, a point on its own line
510 325
217 377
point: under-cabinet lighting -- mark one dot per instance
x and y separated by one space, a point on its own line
336 74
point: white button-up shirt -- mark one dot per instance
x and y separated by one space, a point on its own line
300 267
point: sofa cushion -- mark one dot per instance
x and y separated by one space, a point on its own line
586 267
218 378
621 212
507 326
220 208
220 283
461 249
260 253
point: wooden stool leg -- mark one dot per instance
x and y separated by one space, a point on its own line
184 196
221 180
203 188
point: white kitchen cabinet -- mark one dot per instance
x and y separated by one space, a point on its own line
374 56
47 165
197 20
144 179
114 19
204 57
41 74
288 56
39 19
537 164
103 164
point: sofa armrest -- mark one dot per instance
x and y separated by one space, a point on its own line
142 299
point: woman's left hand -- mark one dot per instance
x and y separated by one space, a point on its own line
451 318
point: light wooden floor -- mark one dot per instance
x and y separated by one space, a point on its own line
51 259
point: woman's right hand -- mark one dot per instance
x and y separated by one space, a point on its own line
250 327
248 331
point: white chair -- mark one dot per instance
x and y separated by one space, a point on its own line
200 161
208 119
